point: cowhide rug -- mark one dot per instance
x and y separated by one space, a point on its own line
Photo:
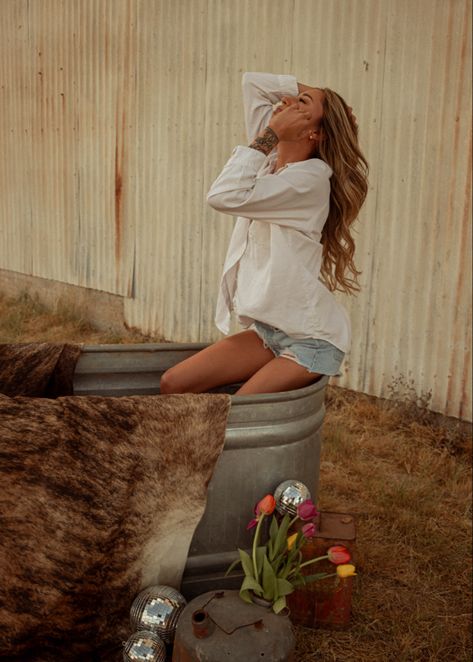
38 369
99 498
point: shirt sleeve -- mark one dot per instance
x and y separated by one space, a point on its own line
260 92
288 198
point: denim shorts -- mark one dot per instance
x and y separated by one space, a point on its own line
315 355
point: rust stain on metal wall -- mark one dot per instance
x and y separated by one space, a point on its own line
119 162
459 390
123 244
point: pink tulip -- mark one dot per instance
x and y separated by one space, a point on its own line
266 506
307 510
309 530
251 524
338 554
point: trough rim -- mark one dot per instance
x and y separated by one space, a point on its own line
279 396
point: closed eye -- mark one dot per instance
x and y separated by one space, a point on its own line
304 97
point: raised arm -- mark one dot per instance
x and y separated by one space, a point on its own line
260 92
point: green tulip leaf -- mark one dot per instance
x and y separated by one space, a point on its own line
284 587
274 528
292 553
278 564
298 580
246 596
268 580
249 584
302 580
281 538
260 554
279 605
316 577
273 533
246 563
233 565
294 559
287 569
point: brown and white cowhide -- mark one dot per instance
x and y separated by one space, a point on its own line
99 497
38 369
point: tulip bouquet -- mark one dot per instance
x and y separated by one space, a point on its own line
274 569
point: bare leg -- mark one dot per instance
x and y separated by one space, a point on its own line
280 374
232 359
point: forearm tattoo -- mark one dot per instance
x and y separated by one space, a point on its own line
265 143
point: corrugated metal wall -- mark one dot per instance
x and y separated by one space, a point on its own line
116 115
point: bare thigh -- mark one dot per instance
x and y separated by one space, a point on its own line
230 360
280 374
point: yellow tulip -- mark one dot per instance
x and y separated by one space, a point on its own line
346 570
291 540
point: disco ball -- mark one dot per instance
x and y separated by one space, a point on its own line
288 495
144 646
157 609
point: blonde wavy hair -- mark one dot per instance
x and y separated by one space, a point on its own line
338 146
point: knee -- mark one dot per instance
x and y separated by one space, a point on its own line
170 383
167 382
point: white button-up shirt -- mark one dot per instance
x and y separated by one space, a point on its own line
272 267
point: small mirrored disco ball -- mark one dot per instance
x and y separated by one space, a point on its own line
157 609
288 495
144 646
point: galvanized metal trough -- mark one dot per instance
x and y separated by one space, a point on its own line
269 438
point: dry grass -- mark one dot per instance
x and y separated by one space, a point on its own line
405 471
25 319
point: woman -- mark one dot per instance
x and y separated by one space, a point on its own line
296 190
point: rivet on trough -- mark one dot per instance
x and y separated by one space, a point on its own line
202 626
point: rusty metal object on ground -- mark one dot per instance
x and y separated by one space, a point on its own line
219 625
325 603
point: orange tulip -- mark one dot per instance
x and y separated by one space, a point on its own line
266 506
338 554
